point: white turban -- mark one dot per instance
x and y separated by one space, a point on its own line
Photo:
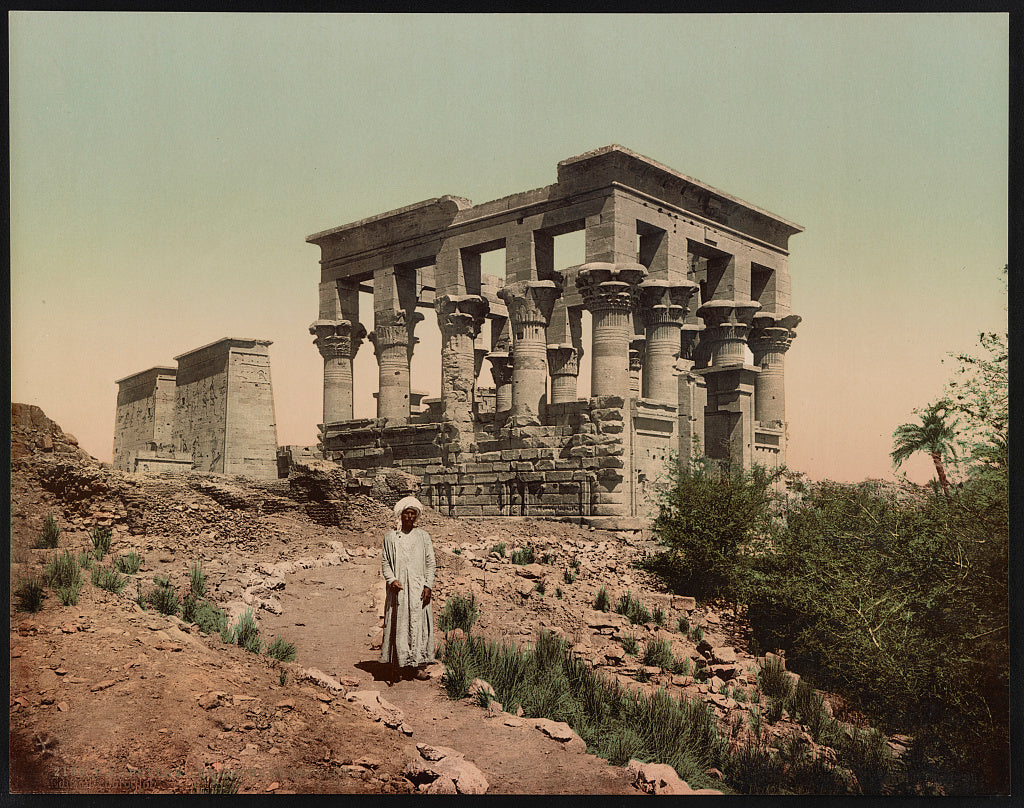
404 504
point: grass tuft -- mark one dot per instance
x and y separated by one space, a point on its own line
129 563
223 782
30 594
101 537
460 612
108 578
602 602
499 548
197 580
210 619
62 571
50 536
281 650
658 652
630 644
246 633
164 598
524 555
632 609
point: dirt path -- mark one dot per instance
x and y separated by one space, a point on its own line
333 618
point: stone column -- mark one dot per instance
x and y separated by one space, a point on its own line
564 367
501 372
692 393
459 318
609 294
769 340
393 342
337 341
529 311
727 324
636 365
663 307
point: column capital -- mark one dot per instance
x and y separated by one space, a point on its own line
501 367
605 286
772 333
665 302
636 353
530 302
393 328
564 360
337 339
735 314
461 314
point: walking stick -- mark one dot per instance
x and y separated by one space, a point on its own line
393 642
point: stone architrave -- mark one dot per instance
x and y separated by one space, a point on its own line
663 307
609 293
564 367
393 343
770 338
460 318
501 372
338 341
529 304
727 324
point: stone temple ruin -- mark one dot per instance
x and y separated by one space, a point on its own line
688 295
214 412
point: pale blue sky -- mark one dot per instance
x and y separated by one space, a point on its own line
166 169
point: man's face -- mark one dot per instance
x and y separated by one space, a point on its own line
408 518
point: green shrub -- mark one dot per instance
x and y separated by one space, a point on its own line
210 619
225 781
246 633
696 634
164 599
658 615
540 587
68 595
602 602
499 548
684 625
50 536
162 581
710 516
658 652
108 578
197 580
281 650
282 677
61 571
101 537
524 555
774 681
189 604
632 609
773 712
129 563
460 612
85 559
558 592
30 594
547 558
569 576
681 666
457 668
630 644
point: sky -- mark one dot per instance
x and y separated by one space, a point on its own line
166 170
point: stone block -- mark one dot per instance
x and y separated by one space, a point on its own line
545 465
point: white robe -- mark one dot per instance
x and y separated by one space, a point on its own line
409 559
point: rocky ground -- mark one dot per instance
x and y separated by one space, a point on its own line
107 697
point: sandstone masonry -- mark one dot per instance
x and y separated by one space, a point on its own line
214 412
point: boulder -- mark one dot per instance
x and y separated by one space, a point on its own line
441 770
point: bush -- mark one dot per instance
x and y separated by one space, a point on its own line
68 595
281 650
774 681
197 580
602 602
164 599
709 517
460 612
630 644
558 592
499 548
246 634
50 536
524 555
209 618
632 609
658 652
684 625
85 559
658 615
62 572
540 587
30 594
101 537
569 576
129 563
225 781
108 578
457 673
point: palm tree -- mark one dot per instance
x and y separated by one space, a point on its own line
934 435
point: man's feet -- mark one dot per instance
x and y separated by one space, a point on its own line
422 675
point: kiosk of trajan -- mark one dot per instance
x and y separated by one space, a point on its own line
688 296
